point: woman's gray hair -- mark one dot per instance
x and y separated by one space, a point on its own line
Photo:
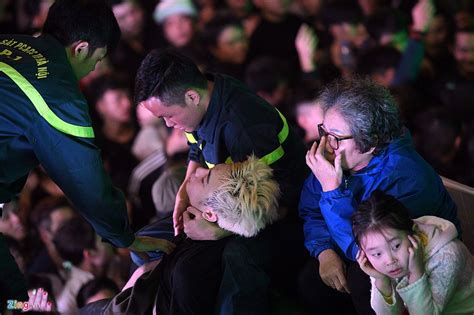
368 108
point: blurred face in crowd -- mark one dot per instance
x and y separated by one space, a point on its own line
463 19
231 45
277 8
178 29
311 7
145 117
99 257
336 126
11 225
43 9
58 217
238 5
437 34
308 116
368 6
464 52
115 106
130 18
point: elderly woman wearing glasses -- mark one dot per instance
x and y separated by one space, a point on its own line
363 147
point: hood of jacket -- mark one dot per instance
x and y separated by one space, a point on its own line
435 233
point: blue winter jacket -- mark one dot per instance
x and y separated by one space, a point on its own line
397 170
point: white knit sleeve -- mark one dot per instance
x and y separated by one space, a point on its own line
430 294
380 306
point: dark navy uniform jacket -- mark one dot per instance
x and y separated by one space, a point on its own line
44 119
239 123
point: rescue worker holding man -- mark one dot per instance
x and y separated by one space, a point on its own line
225 122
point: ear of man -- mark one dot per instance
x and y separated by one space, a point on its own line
192 97
80 50
209 215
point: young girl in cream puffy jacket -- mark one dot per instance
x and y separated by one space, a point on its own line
415 264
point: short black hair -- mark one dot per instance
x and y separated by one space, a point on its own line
377 60
380 211
89 20
93 287
106 82
41 214
338 12
266 74
31 8
467 29
167 74
437 133
117 2
214 28
386 21
72 238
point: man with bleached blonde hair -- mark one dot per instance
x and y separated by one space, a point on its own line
245 199
241 198
225 121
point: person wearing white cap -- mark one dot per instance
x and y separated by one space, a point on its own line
177 18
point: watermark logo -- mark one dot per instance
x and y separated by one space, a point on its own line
38 302
17 305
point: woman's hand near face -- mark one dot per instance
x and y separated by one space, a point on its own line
328 175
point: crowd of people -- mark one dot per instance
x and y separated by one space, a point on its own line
353 109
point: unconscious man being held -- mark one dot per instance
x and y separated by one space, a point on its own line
239 197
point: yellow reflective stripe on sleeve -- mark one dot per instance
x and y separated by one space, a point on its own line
42 107
276 154
283 134
268 159
190 137
273 156
210 165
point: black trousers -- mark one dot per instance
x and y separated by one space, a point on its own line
12 281
185 282
255 266
322 299
251 268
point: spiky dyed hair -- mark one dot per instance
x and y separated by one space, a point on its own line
247 200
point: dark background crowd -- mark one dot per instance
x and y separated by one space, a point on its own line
284 50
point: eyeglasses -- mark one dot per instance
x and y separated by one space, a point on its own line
332 139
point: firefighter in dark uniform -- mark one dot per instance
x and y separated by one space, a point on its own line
44 120
225 122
